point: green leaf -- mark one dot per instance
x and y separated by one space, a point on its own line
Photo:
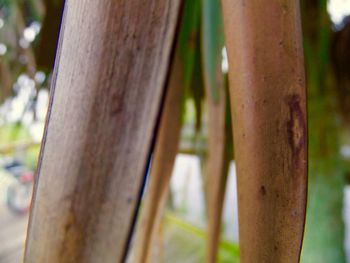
197 86
212 45
187 39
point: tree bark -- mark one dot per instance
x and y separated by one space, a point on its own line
111 69
162 165
268 97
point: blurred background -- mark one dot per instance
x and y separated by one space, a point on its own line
28 35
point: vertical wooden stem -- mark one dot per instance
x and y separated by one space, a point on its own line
162 165
111 68
212 38
264 43
216 171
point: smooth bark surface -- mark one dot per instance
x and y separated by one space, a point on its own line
270 127
110 73
162 165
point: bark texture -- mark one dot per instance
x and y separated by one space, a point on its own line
111 69
264 44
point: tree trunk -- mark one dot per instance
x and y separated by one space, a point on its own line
162 165
111 68
266 71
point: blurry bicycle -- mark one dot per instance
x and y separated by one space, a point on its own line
19 193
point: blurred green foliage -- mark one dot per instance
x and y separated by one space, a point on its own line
184 242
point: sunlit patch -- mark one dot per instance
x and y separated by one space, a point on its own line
338 10
3 49
24 43
40 77
31 32
224 64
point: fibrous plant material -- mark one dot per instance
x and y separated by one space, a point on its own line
266 69
111 68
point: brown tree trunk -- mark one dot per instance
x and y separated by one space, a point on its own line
266 71
111 68
162 165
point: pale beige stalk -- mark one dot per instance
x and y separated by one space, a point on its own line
215 168
111 69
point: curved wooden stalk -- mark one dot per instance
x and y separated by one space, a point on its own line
217 168
162 165
217 161
264 43
111 69
159 228
217 165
